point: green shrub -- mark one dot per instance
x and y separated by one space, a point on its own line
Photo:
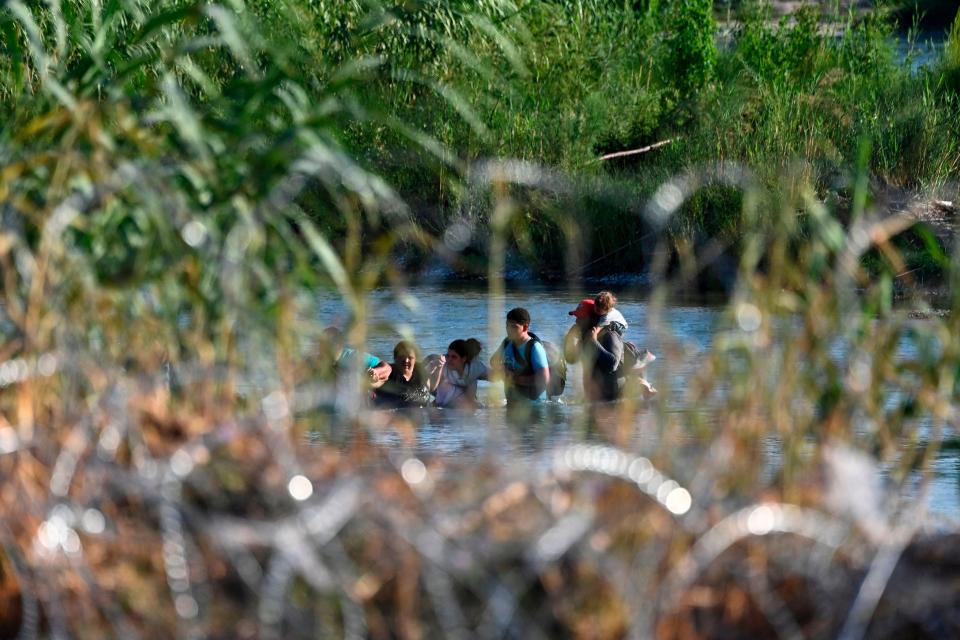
787 52
950 63
865 49
951 50
691 51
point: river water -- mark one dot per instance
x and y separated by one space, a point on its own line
435 315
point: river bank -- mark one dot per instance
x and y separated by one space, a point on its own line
797 108
927 220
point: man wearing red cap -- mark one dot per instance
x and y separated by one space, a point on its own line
599 349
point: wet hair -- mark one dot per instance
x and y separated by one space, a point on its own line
519 315
404 348
460 347
474 347
604 302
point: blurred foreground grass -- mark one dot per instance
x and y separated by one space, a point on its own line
175 188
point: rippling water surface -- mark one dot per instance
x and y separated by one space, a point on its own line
441 314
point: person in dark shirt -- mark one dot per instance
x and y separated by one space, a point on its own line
599 349
407 385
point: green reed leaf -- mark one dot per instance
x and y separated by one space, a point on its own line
354 70
236 42
180 114
11 46
165 19
506 45
452 97
34 38
331 262
60 28
932 245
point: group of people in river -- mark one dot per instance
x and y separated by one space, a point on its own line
532 370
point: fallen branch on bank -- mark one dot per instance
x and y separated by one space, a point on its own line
634 152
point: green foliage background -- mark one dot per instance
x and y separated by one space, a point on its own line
144 141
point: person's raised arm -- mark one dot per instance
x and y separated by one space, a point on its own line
433 379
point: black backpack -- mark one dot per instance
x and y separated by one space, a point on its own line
555 362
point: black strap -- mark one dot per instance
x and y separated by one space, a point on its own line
529 357
526 389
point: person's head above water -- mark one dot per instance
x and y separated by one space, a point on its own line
585 313
518 325
405 358
457 355
584 310
604 302
403 349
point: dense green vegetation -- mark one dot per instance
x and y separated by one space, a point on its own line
418 92
816 94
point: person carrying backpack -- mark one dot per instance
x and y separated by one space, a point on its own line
522 361
635 359
600 349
